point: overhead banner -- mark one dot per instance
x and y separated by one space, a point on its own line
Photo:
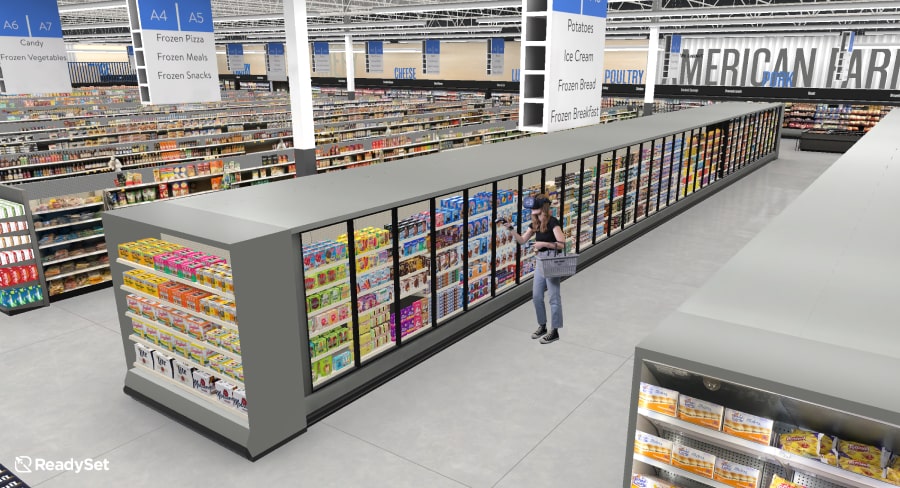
321 58
179 50
496 54
374 57
431 57
276 68
575 62
32 51
234 58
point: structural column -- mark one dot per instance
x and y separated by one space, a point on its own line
350 59
300 78
652 63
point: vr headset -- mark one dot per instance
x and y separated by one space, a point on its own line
535 203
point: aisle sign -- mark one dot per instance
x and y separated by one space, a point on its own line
234 58
431 57
32 51
130 50
276 68
575 63
498 52
179 50
374 57
321 58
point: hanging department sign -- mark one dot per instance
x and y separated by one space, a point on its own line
276 68
374 57
496 53
32 51
575 62
179 50
321 58
234 57
431 57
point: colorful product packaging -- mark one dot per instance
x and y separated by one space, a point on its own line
736 475
658 399
749 427
779 482
699 412
644 481
693 460
653 447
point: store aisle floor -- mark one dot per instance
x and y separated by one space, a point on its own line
496 409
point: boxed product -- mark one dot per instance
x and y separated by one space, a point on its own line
779 482
182 347
137 328
224 392
166 339
143 355
652 446
134 303
151 333
162 364
239 400
184 373
198 328
204 382
736 475
693 460
644 481
658 399
860 467
892 476
200 354
749 427
806 443
700 412
863 452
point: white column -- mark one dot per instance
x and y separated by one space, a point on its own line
650 72
350 60
300 77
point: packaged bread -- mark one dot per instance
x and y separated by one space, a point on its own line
644 481
779 482
863 452
658 399
693 460
749 427
736 475
805 443
652 446
860 467
699 412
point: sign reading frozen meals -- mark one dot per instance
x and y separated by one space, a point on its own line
575 62
275 65
179 50
32 51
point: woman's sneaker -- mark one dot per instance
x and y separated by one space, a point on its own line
553 336
541 331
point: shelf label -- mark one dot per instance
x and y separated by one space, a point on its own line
431 57
179 50
321 57
574 63
32 51
234 59
375 57
276 67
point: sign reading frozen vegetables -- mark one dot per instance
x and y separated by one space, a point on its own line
179 50
575 63
32 51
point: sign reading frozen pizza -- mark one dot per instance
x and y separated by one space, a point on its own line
276 68
32 51
575 63
179 50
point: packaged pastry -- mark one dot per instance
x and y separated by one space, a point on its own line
658 399
644 481
749 427
805 443
736 475
860 467
892 476
652 446
779 482
700 412
863 452
693 460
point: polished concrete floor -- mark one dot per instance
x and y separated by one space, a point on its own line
496 409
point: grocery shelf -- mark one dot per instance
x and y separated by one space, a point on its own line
254 168
181 335
327 266
137 339
424 252
265 178
332 351
373 252
331 327
378 351
388 284
327 286
417 332
80 287
63 243
479 215
77 272
451 224
413 238
333 375
373 269
424 288
680 472
210 399
451 314
176 279
333 305
68 224
217 321
480 300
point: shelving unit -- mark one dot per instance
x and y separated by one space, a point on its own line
298 249
22 279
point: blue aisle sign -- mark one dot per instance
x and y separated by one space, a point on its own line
130 50
31 18
432 47
376 47
234 49
176 15
676 44
320 48
498 46
275 49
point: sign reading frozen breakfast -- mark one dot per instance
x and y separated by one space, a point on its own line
179 50
32 52
575 63
234 57
276 67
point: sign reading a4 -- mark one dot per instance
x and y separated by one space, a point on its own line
176 15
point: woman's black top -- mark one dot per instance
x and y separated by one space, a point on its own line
547 236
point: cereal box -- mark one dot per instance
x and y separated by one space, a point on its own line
698 462
658 399
644 481
736 475
700 412
652 446
779 482
749 427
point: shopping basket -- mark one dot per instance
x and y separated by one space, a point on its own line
558 266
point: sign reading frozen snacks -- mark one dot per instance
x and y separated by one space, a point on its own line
32 51
179 50
575 63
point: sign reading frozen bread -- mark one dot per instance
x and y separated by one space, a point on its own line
700 412
652 446
746 426
736 475
698 462
658 399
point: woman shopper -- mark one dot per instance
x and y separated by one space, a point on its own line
549 240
